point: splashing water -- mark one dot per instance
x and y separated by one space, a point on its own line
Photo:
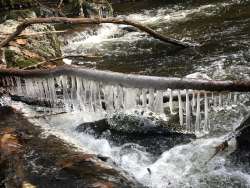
199 112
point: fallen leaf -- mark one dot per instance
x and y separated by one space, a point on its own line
21 41
27 185
31 54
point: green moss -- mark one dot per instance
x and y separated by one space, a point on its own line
10 57
15 14
14 60
21 63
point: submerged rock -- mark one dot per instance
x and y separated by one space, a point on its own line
122 128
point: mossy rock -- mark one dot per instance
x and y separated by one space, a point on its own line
16 15
91 8
16 4
15 59
31 50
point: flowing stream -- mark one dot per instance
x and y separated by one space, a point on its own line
222 28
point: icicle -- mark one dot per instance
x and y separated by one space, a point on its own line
171 101
109 98
158 105
79 93
229 98
180 108
13 88
220 100
215 100
198 109
73 90
235 98
144 98
19 86
28 85
193 103
52 91
87 95
206 123
98 98
151 99
188 115
66 98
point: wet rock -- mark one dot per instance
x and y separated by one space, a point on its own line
96 127
16 15
124 128
92 8
241 156
49 162
243 139
129 124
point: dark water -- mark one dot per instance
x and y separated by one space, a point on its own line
220 27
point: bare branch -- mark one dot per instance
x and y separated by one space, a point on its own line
65 20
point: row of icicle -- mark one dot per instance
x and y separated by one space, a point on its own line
75 93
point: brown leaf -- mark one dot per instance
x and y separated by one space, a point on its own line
28 185
9 143
21 41
30 54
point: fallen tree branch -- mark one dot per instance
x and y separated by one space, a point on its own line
57 59
65 20
131 80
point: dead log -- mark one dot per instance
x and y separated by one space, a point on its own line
65 20
132 80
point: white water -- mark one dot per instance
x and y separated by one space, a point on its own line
181 166
110 39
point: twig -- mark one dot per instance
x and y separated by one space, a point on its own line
59 58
